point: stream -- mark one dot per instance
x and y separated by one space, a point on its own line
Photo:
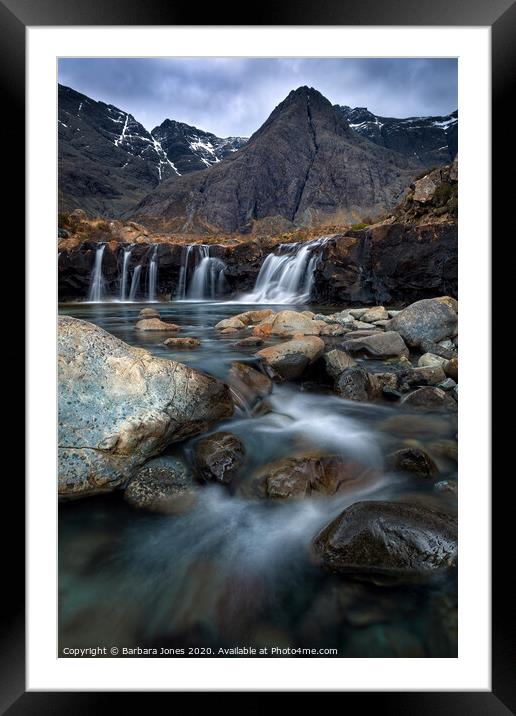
234 572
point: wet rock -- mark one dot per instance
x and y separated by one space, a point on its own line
430 398
253 317
336 362
162 485
333 330
357 312
155 324
249 384
427 321
186 342
377 313
392 539
381 324
250 341
383 345
446 486
148 313
295 478
230 323
218 457
286 323
444 448
289 360
362 326
120 406
228 330
423 375
447 384
356 384
413 460
451 368
429 359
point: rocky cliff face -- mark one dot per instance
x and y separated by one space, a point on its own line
433 140
108 161
303 167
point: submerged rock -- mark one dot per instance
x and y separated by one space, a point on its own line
289 360
294 478
392 539
184 342
162 485
218 457
381 345
250 341
426 322
249 384
155 324
413 460
430 398
119 406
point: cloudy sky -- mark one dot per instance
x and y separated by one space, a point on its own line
229 96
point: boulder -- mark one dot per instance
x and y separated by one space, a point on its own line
424 189
337 362
377 313
218 457
428 359
286 323
161 485
357 312
253 317
413 460
423 375
148 313
383 345
120 406
289 360
294 478
184 342
248 383
430 398
451 368
230 323
447 384
446 486
356 384
155 324
390 539
427 321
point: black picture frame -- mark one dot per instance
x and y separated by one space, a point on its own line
500 15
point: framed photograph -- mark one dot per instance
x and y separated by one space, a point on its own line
246 250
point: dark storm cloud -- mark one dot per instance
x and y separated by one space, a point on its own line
231 96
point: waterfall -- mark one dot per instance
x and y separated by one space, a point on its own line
153 274
97 282
135 283
125 267
287 276
201 276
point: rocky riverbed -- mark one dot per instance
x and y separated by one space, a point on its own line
259 476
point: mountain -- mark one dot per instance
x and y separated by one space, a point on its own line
304 166
190 149
108 161
433 140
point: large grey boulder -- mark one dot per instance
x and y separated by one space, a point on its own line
119 406
426 322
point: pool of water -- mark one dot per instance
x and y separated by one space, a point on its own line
233 572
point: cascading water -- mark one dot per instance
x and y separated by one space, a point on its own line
97 281
201 276
135 283
288 276
153 274
125 268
